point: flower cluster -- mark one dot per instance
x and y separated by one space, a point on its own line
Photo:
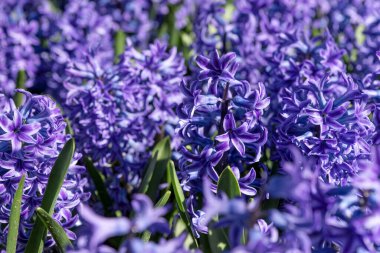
117 111
324 217
18 42
335 127
78 28
31 138
205 125
220 121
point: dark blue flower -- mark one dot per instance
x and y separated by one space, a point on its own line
236 136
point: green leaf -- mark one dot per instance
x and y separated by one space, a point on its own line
56 178
119 45
148 174
14 218
20 84
229 184
164 154
180 199
218 240
54 228
161 202
101 189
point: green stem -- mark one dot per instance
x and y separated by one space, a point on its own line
119 45
20 84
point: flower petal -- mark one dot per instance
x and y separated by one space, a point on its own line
238 144
229 122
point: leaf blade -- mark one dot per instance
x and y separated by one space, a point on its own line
228 183
99 185
56 178
148 173
54 228
180 199
14 218
161 202
164 154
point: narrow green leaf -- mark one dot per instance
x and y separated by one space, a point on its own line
180 199
14 218
101 189
20 84
148 174
54 228
119 44
229 184
161 202
56 178
164 154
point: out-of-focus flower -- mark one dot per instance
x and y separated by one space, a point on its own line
19 43
146 218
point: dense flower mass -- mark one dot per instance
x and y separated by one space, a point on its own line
117 110
201 126
147 218
334 127
220 121
31 137
18 42
325 217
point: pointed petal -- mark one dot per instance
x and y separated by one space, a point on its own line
226 59
5 123
7 136
30 128
249 137
202 61
215 63
229 122
223 137
242 129
25 138
247 190
238 144
328 106
206 74
17 119
338 112
249 178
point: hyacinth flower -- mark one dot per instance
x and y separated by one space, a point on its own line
335 128
116 112
31 138
343 218
69 35
140 20
220 125
146 218
18 40
213 127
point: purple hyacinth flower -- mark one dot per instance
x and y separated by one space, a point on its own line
147 216
236 136
103 228
16 131
246 181
218 67
31 138
327 117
